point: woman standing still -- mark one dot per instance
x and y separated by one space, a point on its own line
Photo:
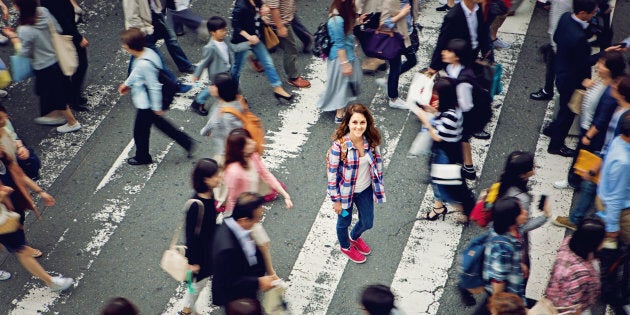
343 67
33 40
355 176
200 226
446 131
399 16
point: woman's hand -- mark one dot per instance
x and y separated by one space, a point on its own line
123 89
287 202
337 207
84 42
346 68
22 153
194 268
586 141
253 40
9 32
405 10
588 83
49 201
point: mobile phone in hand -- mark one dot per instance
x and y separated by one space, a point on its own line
621 44
541 203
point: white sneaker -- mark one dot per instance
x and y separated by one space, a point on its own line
382 82
4 93
500 44
68 128
50 121
561 184
59 284
4 275
3 39
398 103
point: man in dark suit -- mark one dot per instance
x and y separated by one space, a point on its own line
572 65
239 265
458 22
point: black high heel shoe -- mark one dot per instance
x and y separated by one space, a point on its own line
279 96
437 214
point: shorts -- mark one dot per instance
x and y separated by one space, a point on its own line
14 242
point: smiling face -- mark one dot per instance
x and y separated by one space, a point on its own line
357 125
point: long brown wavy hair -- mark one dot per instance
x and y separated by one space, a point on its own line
371 133
235 144
347 10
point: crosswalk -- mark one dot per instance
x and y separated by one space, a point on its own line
119 217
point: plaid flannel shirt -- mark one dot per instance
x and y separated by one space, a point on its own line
342 177
502 262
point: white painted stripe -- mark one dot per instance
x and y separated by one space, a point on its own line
112 170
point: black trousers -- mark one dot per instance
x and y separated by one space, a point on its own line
563 121
145 118
76 80
550 72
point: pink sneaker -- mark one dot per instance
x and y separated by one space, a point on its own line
353 254
361 246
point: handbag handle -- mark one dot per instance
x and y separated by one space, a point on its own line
200 213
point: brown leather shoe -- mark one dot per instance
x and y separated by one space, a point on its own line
254 64
299 82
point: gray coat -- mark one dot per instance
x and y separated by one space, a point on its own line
36 40
220 124
212 60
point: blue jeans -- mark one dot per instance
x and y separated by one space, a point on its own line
262 54
164 31
365 206
203 96
588 191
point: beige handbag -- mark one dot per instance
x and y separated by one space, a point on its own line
65 50
575 104
545 307
174 261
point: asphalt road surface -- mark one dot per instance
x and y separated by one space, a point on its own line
112 221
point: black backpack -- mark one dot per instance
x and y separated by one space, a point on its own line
322 41
478 117
169 86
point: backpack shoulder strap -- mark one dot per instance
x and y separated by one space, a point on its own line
233 111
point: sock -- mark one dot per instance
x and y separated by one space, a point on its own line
469 168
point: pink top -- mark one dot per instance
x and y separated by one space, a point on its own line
237 179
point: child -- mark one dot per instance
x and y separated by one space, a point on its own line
217 58
378 299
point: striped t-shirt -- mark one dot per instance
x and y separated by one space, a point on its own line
287 10
449 125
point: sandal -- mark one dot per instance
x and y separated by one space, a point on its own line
185 311
36 253
436 214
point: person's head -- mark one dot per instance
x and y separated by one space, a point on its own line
507 213
377 299
205 175
347 11
28 11
217 27
584 9
457 51
444 88
244 306
224 86
119 306
4 116
239 146
519 167
358 121
248 209
621 90
133 39
504 303
611 65
588 238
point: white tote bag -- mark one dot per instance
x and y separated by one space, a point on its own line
420 90
174 261
65 51
421 145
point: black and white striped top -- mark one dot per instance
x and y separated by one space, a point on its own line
449 125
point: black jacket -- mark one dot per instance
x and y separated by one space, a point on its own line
199 246
233 277
573 54
244 19
455 26
63 11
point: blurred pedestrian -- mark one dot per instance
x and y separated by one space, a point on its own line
119 306
378 299
244 307
179 15
504 303
25 156
355 177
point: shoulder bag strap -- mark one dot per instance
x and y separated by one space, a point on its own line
200 212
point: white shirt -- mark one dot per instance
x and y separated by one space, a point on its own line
584 24
364 179
223 50
181 5
471 20
247 244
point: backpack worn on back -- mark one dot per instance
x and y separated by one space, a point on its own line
476 119
471 268
322 41
169 86
251 123
482 212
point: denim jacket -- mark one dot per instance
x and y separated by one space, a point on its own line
339 39
146 90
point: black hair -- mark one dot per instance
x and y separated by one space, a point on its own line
517 164
504 213
584 5
623 87
588 237
615 63
28 11
216 23
133 38
461 49
377 299
625 124
119 306
227 87
3 109
246 204
244 306
447 95
203 169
